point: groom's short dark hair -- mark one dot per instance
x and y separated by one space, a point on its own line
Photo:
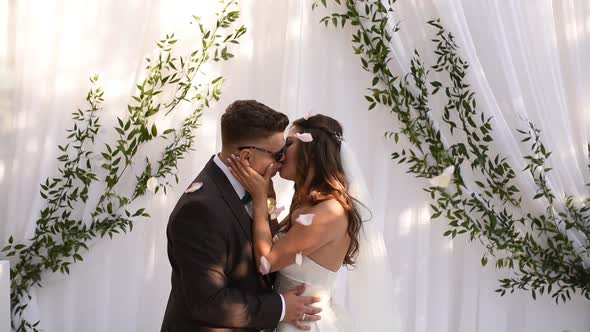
246 120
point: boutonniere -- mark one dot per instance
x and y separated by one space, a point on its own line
273 210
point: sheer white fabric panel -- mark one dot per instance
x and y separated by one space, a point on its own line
528 58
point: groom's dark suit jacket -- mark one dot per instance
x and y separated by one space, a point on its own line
215 283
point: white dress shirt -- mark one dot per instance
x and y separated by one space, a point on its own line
241 192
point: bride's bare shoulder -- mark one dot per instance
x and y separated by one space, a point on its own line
326 212
330 207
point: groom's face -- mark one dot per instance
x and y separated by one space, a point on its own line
259 160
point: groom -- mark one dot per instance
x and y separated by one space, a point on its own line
215 282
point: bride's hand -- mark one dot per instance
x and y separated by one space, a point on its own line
257 185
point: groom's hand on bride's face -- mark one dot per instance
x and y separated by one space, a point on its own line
299 308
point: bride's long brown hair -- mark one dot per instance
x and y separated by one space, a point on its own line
320 175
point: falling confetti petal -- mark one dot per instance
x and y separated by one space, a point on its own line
305 219
194 187
151 184
264 265
299 259
305 137
444 179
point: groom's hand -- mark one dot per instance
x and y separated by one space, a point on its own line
298 308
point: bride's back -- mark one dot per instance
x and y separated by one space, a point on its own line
318 270
331 255
312 160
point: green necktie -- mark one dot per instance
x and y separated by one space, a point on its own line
247 198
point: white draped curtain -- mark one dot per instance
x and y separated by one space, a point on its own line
527 59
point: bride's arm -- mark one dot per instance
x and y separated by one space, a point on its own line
326 224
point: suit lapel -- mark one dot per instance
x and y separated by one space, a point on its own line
235 203
230 196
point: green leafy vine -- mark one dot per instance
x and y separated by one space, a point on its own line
472 187
62 233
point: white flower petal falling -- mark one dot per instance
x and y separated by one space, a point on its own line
194 187
444 179
305 219
299 259
304 137
264 265
151 184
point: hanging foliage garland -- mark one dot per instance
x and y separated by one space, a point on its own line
62 234
471 186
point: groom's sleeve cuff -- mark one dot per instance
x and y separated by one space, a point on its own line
283 310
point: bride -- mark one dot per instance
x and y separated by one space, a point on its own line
323 231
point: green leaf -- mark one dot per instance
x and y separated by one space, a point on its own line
364 62
484 261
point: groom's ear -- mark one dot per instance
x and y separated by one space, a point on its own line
245 154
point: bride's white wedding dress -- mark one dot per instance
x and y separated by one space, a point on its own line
367 289
319 282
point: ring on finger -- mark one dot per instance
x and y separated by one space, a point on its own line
303 318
